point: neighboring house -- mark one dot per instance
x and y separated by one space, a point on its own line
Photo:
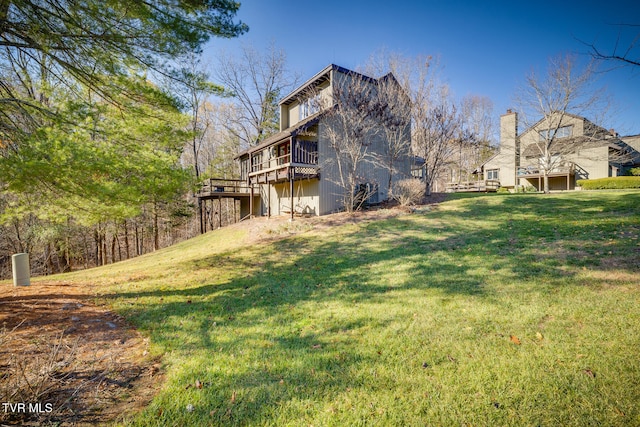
294 171
581 150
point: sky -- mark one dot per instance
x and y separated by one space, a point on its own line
485 48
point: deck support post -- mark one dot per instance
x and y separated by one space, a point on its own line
200 216
291 190
250 203
219 211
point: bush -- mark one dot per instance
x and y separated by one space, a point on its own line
614 183
408 192
504 190
634 171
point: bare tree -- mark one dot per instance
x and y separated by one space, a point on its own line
548 103
434 117
625 51
394 114
435 127
194 91
351 129
256 81
475 134
394 102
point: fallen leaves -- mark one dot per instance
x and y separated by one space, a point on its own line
197 384
514 339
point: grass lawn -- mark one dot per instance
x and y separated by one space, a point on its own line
484 310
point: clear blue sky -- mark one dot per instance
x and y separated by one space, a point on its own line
485 48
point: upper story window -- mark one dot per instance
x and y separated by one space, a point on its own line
309 106
561 132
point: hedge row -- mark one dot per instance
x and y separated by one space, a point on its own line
615 183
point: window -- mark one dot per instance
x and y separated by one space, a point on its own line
309 107
492 174
561 132
256 162
554 161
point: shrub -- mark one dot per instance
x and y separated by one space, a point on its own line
634 171
408 192
614 183
504 190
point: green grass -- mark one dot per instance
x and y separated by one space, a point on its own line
407 321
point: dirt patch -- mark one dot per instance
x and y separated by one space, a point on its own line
264 228
66 361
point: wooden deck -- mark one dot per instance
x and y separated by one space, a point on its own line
486 186
218 189
215 188
535 175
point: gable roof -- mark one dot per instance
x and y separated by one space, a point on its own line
320 78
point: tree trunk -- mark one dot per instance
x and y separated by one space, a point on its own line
390 186
103 238
137 233
86 251
427 184
96 253
113 248
126 239
545 177
156 232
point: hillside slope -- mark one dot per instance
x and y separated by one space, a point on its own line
489 310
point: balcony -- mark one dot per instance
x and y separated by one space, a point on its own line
565 169
301 163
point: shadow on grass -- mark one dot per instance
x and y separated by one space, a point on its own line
261 309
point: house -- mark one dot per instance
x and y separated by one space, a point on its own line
295 171
570 146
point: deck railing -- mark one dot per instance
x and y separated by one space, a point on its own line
473 186
304 153
270 163
535 170
219 185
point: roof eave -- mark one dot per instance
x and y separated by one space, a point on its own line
293 95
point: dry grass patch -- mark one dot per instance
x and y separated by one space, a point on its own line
74 362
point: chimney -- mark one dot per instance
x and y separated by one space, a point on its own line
509 146
508 128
